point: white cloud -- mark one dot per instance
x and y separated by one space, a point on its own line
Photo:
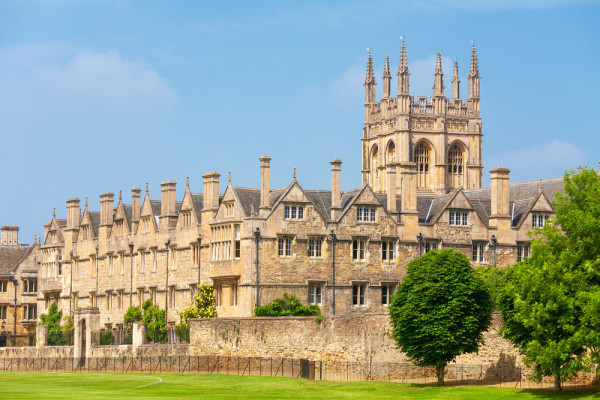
539 161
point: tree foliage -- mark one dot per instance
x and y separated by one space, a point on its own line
56 333
153 318
493 278
440 310
287 305
550 302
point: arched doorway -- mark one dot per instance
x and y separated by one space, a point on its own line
422 159
456 161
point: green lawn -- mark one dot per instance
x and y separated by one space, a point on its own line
35 385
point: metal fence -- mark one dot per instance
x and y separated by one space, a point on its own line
513 377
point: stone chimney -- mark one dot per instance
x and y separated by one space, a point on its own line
265 190
73 214
135 204
211 190
391 188
9 235
168 217
500 209
106 208
336 191
408 200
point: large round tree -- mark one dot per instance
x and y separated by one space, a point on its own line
440 310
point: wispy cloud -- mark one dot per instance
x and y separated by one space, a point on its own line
539 161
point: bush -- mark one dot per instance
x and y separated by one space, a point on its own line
56 334
203 305
288 305
106 338
154 319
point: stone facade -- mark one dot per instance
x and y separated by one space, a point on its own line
253 244
19 265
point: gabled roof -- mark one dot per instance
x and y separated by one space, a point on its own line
12 256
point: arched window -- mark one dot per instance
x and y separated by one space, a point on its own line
455 166
422 161
390 155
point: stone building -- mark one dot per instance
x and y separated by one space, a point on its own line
344 250
18 288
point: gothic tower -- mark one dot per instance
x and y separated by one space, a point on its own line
441 135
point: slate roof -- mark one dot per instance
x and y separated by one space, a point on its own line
11 257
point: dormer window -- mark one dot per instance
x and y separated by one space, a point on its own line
293 212
119 228
85 232
365 214
145 224
186 218
458 218
229 210
539 220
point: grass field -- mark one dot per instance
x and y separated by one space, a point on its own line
36 385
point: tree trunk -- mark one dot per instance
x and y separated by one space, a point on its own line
439 370
557 381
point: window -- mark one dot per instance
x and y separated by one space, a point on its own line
430 246
154 263
85 232
479 252
315 248
387 291
293 212
186 218
229 210
30 312
538 220
358 294
142 261
59 268
3 286
234 295
358 250
522 252
30 286
421 158
238 243
74 300
93 302
122 258
219 295
120 299
387 250
173 258
108 301
153 295
315 292
3 312
140 296
118 228
172 296
458 218
365 214
145 224
221 238
285 247
195 254
111 264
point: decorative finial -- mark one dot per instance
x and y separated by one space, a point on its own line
187 183
54 213
370 77
229 178
120 195
146 187
34 239
438 64
294 176
86 202
474 71
386 68
540 184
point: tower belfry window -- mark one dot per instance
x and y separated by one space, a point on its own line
455 166
422 161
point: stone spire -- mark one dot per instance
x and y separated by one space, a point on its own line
474 76
370 81
387 77
403 73
455 82
438 83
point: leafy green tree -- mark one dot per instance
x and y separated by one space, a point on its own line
154 319
550 302
440 310
286 306
133 314
52 321
493 277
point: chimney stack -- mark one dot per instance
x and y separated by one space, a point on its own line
391 188
73 214
408 200
211 190
9 235
265 190
135 204
167 198
499 195
106 208
336 191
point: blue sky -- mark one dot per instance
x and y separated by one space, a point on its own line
101 96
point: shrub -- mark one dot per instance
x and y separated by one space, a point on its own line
106 338
288 305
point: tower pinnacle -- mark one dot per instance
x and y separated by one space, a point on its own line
387 77
370 81
474 76
455 82
403 73
438 84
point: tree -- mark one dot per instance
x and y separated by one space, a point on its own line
52 321
440 310
550 302
154 319
286 306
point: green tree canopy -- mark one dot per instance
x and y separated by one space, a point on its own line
287 305
550 302
440 310
56 337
